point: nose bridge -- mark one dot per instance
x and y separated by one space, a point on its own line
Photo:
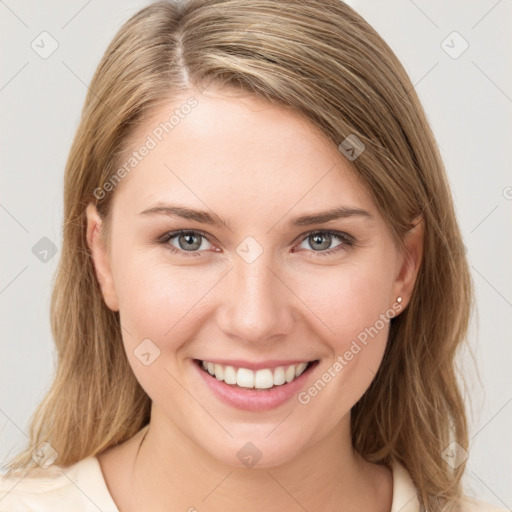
256 305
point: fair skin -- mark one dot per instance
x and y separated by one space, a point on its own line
257 167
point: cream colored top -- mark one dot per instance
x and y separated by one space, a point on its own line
82 488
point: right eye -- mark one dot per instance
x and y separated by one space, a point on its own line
189 242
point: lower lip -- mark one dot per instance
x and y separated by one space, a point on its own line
252 399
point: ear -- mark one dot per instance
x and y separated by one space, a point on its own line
410 262
100 257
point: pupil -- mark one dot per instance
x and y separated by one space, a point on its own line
319 237
190 241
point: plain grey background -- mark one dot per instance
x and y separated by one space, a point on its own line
466 92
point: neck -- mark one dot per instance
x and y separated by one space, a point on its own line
170 469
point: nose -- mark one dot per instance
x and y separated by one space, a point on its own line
256 305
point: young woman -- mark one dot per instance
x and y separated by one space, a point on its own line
262 287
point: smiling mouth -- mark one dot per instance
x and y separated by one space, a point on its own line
261 380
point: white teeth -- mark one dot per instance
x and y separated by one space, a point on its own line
300 368
290 373
219 372
279 376
245 378
260 379
263 379
229 375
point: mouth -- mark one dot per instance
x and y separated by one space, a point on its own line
262 380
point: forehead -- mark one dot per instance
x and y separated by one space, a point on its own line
238 152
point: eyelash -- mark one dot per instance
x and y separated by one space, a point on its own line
347 241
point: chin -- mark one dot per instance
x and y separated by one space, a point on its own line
259 450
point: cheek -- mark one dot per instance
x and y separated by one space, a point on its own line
353 311
347 300
356 349
160 300
157 313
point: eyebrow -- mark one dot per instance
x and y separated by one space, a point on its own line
204 217
186 213
341 212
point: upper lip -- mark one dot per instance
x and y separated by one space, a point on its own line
252 365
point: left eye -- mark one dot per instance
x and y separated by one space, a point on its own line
190 242
321 240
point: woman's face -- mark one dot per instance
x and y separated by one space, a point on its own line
252 289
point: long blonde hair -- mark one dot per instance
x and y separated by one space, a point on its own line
324 61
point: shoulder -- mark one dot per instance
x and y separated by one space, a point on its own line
470 504
405 495
79 487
